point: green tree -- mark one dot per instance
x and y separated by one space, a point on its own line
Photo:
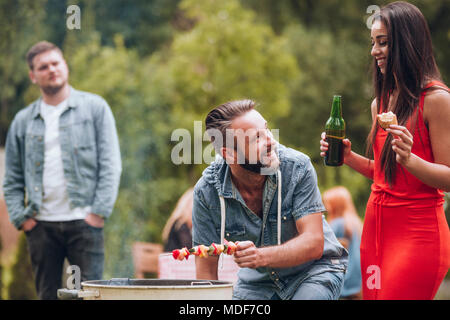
20 23
22 286
227 55
144 25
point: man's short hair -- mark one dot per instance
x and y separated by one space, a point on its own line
38 48
219 119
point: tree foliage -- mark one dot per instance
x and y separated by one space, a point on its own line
21 286
19 26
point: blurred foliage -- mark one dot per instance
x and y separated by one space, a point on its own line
21 286
20 25
225 56
163 64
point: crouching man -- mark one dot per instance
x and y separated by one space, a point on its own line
265 196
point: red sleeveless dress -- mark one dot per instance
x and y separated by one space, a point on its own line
405 244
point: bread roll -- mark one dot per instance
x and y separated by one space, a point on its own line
386 119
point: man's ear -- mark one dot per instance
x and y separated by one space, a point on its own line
31 75
228 154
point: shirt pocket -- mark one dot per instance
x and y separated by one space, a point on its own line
288 225
85 147
83 134
235 232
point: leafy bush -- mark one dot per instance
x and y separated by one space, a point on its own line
22 285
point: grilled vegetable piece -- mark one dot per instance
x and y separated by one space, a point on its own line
203 251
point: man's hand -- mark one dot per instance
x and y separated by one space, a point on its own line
94 220
28 225
247 255
306 246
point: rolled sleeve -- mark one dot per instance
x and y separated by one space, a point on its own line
307 198
203 227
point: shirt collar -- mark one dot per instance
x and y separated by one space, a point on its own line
230 191
72 102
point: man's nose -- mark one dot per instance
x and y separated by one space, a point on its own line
270 137
270 141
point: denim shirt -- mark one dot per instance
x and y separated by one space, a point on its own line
90 156
300 197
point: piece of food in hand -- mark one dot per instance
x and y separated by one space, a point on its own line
203 251
200 250
215 249
229 247
386 119
180 254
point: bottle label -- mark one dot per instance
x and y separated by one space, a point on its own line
331 136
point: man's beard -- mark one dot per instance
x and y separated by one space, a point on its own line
252 167
258 167
52 90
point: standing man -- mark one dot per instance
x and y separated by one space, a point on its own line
265 196
62 176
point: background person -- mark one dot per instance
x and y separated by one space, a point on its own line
347 226
177 232
62 176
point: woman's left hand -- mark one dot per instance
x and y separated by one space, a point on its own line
402 143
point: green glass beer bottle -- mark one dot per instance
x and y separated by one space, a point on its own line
335 133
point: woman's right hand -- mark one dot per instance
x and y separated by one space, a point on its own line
324 146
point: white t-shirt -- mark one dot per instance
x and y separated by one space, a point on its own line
55 201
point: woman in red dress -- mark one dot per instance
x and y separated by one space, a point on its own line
405 245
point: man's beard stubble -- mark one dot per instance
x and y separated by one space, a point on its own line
52 90
258 167
252 167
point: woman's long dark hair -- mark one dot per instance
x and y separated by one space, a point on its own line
410 66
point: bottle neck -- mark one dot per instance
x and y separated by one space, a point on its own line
336 110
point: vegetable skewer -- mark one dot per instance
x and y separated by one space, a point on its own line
203 251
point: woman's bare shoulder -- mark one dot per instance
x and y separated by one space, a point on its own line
437 104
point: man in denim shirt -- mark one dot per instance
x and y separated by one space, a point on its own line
286 249
62 173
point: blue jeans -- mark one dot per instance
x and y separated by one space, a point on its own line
50 242
323 286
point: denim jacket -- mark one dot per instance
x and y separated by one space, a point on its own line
90 156
300 196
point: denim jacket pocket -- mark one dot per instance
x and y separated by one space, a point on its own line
233 232
85 150
83 133
288 225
